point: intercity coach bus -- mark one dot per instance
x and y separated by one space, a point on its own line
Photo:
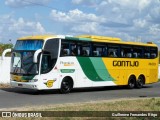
66 62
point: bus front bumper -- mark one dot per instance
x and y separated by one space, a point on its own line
27 85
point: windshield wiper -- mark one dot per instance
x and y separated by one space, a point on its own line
16 67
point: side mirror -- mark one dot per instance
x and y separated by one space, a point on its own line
5 52
35 57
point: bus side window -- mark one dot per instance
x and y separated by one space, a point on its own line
122 53
104 53
73 48
129 55
153 55
111 54
65 49
153 52
85 52
146 55
135 55
85 49
66 52
96 53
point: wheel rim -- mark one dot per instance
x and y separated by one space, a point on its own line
140 82
131 83
65 86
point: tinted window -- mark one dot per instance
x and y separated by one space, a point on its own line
113 51
49 56
153 52
126 51
28 45
99 49
84 49
137 52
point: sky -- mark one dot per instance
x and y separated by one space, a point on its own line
130 20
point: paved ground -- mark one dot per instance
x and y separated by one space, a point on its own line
14 97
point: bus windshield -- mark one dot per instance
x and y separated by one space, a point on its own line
28 45
22 57
22 63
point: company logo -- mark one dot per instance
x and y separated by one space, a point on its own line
125 63
67 63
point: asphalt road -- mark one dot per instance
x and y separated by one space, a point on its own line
14 97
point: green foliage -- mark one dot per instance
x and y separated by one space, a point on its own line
5 46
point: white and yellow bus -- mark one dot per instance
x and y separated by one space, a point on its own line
61 62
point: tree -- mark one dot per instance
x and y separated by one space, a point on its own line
5 46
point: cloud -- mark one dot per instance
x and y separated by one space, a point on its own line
140 23
23 27
155 29
74 16
22 3
12 28
88 28
76 21
91 3
125 18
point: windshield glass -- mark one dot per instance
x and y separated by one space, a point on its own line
28 45
22 63
22 57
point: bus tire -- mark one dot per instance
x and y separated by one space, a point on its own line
140 82
131 82
66 85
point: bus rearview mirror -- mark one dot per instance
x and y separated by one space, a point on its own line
35 58
5 52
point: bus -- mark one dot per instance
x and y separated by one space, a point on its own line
66 62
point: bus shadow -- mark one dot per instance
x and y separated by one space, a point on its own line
76 90
29 91
108 88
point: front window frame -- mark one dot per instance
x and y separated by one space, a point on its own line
14 69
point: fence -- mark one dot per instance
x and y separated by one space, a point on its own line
5 70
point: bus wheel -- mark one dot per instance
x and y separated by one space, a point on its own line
66 86
131 82
140 82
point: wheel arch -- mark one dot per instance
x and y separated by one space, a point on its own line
132 75
69 78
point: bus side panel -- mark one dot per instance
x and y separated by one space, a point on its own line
153 76
153 70
94 72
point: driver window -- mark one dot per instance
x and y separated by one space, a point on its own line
46 64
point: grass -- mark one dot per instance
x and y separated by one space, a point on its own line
152 104
148 104
4 85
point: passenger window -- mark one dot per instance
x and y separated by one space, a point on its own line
98 49
126 51
137 52
65 51
153 52
73 49
84 48
146 52
113 51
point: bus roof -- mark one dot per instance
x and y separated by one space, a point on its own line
88 38
99 38
38 37
112 40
